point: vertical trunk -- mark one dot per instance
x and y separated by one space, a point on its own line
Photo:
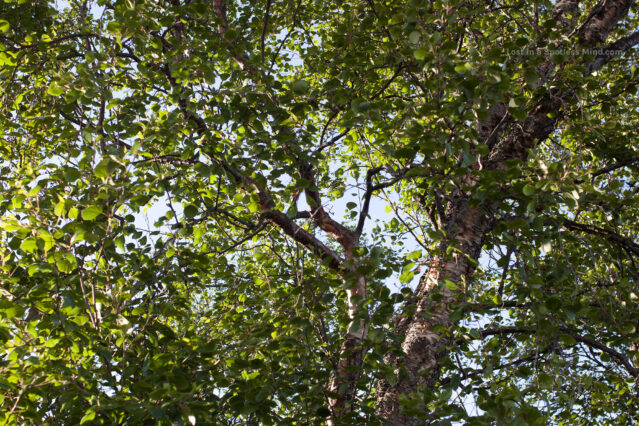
350 356
418 368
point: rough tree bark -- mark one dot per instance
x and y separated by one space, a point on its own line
423 347
466 228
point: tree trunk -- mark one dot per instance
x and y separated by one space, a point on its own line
423 347
350 356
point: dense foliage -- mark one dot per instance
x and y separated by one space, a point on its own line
309 212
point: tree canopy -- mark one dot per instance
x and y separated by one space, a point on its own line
364 212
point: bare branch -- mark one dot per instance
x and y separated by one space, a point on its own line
613 353
264 27
229 215
612 236
332 141
303 237
618 165
258 228
505 330
168 159
622 359
612 51
399 69
370 189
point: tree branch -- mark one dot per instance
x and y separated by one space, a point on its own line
612 236
633 371
370 189
603 20
617 165
343 235
168 159
264 27
303 237
505 330
612 51
622 359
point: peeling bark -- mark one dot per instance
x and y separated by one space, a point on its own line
424 344
423 347
350 356
603 20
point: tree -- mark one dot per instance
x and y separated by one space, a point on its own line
499 135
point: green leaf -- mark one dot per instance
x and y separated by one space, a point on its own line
29 245
59 209
531 76
414 255
9 309
451 285
64 266
190 211
567 339
414 37
91 212
300 87
417 171
420 54
114 28
519 113
73 213
364 106
55 90
4 26
48 240
89 416
71 174
101 171
463 68
529 189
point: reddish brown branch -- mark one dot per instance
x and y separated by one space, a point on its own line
343 235
293 230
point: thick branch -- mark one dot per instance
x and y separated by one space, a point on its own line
339 232
618 165
612 51
603 21
611 236
303 237
219 7
266 203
